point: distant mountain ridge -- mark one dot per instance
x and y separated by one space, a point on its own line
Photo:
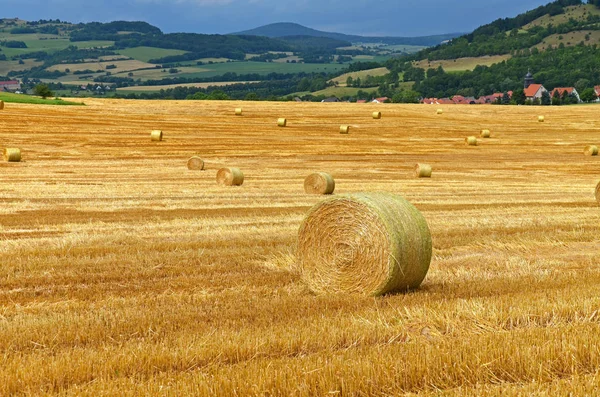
283 29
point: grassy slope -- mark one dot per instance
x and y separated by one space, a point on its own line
571 39
144 54
21 98
128 274
461 64
578 13
361 74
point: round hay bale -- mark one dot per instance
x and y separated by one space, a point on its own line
344 129
471 141
541 119
12 154
1 105
195 163
591 150
598 193
423 170
319 183
377 115
486 133
156 135
281 122
238 111
230 177
440 111
367 243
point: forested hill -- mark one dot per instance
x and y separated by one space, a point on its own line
284 29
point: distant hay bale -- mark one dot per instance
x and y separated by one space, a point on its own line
195 163
366 243
238 111
1 105
485 133
423 170
377 115
281 122
440 111
591 150
344 129
319 183
598 193
230 177
541 119
156 135
12 155
471 141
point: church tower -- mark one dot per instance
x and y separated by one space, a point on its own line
528 79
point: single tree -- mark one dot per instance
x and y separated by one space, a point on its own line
588 95
42 90
545 98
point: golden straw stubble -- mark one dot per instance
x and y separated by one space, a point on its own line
591 150
230 176
377 115
365 243
598 193
422 170
12 155
156 135
471 141
195 163
319 183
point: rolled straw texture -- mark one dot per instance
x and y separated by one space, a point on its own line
366 243
541 119
319 183
598 193
591 150
344 129
376 115
12 154
195 163
471 141
485 133
281 122
1 105
238 111
156 135
440 111
423 171
230 177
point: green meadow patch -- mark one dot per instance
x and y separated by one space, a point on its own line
22 98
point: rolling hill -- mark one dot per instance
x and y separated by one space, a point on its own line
283 29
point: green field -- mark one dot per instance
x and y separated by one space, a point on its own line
261 68
340 92
21 98
145 54
48 43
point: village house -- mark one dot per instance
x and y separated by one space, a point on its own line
533 91
10 85
380 100
561 91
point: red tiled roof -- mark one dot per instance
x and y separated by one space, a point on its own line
561 91
9 82
361 101
597 89
445 101
532 90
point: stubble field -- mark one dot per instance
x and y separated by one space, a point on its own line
125 273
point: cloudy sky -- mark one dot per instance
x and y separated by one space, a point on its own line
363 17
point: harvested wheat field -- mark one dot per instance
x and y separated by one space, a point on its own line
125 273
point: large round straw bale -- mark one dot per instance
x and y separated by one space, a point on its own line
423 170
541 119
238 111
377 115
281 122
319 183
195 163
368 243
12 154
440 111
485 133
156 135
598 193
1 105
471 141
591 150
344 129
230 177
